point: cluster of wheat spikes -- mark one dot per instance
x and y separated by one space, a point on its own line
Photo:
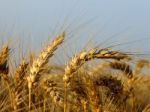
115 85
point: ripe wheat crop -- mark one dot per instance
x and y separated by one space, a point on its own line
118 83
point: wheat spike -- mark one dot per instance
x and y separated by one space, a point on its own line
41 60
43 57
84 56
108 54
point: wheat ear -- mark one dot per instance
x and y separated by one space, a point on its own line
78 60
40 61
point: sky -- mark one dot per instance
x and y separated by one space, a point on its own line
98 22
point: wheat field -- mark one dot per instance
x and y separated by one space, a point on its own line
118 83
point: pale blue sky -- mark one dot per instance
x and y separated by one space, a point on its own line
38 20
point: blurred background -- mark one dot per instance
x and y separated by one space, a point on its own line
32 23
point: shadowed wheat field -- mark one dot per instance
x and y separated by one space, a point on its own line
116 83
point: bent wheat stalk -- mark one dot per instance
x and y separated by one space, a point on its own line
78 60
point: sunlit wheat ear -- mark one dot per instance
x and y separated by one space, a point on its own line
83 57
42 59
52 90
78 60
122 66
140 64
110 54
